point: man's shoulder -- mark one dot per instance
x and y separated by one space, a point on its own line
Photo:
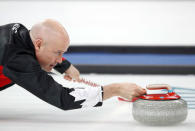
11 29
16 28
12 26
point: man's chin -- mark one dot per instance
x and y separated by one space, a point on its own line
47 69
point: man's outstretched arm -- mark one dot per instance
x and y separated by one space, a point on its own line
125 90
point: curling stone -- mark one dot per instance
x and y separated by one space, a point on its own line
160 109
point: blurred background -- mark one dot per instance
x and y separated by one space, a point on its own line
118 36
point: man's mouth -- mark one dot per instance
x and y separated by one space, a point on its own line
52 65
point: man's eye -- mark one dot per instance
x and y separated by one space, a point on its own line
59 53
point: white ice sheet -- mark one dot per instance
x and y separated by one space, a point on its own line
21 111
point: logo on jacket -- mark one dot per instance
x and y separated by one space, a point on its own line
15 28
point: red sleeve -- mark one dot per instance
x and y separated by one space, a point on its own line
3 79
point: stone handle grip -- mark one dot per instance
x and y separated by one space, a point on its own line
158 86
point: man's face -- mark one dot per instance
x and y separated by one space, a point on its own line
49 54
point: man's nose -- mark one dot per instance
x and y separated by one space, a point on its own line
59 59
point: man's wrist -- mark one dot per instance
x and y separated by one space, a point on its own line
111 90
115 89
62 67
68 68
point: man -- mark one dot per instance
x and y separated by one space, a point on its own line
26 57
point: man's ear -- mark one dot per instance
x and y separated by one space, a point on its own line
38 43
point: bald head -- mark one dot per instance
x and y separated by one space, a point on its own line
49 30
50 40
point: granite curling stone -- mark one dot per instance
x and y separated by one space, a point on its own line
160 109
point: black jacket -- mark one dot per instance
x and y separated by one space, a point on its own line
17 56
